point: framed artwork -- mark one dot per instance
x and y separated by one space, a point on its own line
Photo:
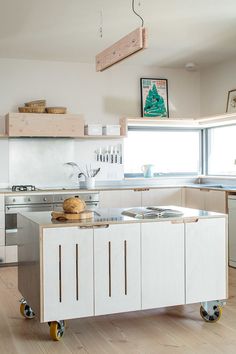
231 102
154 97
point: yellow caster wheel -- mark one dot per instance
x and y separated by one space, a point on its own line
214 317
57 330
26 311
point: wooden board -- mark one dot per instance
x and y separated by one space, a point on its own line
38 125
126 46
60 215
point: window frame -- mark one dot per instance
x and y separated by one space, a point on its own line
176 129
206 142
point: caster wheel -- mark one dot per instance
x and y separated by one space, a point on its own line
211 318
57 330
26 311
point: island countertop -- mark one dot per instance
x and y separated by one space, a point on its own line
114 216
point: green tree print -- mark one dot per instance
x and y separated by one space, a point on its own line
154 104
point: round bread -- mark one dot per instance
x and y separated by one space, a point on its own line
73 205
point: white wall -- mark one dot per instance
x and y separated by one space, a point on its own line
215 82
101 97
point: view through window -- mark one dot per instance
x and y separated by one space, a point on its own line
221 148
171 151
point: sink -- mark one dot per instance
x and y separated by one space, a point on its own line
213 185
151 213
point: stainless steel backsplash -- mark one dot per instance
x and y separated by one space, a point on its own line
40 161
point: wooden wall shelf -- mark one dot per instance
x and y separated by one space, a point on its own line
44 125
202 122
52 125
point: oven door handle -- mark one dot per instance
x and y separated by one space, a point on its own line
11 231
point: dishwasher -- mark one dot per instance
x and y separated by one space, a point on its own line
232 230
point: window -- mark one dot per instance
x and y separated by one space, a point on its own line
221 150
171 151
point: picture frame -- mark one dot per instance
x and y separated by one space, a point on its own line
154 98
231 102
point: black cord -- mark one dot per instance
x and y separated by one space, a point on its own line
137 13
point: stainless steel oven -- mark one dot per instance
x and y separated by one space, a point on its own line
35 202
16 204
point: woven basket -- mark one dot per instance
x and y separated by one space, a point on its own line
41 103
56 110
31 109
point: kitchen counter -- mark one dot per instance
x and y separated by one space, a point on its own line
120 186
115 216
52 190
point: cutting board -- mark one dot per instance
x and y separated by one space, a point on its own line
60 215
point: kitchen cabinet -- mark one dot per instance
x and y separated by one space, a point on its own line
205 199
163 264
108 265
11 255
117 269
121 198
67 272
206 259
162 196
140 197
2 254
2 221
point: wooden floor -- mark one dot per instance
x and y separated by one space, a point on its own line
172 330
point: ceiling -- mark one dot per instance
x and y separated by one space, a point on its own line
180 31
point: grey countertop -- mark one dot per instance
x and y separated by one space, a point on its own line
115 216
222 187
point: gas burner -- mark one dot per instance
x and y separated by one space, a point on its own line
22 188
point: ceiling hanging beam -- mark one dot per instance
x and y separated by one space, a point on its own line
132 43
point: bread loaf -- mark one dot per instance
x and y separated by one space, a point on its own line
73 205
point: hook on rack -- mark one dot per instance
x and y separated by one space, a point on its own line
135 12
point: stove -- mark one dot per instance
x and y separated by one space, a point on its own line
22 188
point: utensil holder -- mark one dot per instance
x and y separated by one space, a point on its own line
89 182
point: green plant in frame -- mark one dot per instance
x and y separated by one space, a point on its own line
154 104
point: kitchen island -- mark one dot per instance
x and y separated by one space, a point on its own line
117 263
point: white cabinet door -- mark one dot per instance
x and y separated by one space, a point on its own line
206 257
67 290
2 237
2 254
117 268
11 254
162 264
162 196
120 198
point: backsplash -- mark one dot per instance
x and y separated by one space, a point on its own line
41 161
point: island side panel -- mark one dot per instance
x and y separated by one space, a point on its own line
206 260
29 262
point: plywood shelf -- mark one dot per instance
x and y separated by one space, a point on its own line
44 125
53 125
202 122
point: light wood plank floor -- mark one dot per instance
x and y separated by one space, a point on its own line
164 331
